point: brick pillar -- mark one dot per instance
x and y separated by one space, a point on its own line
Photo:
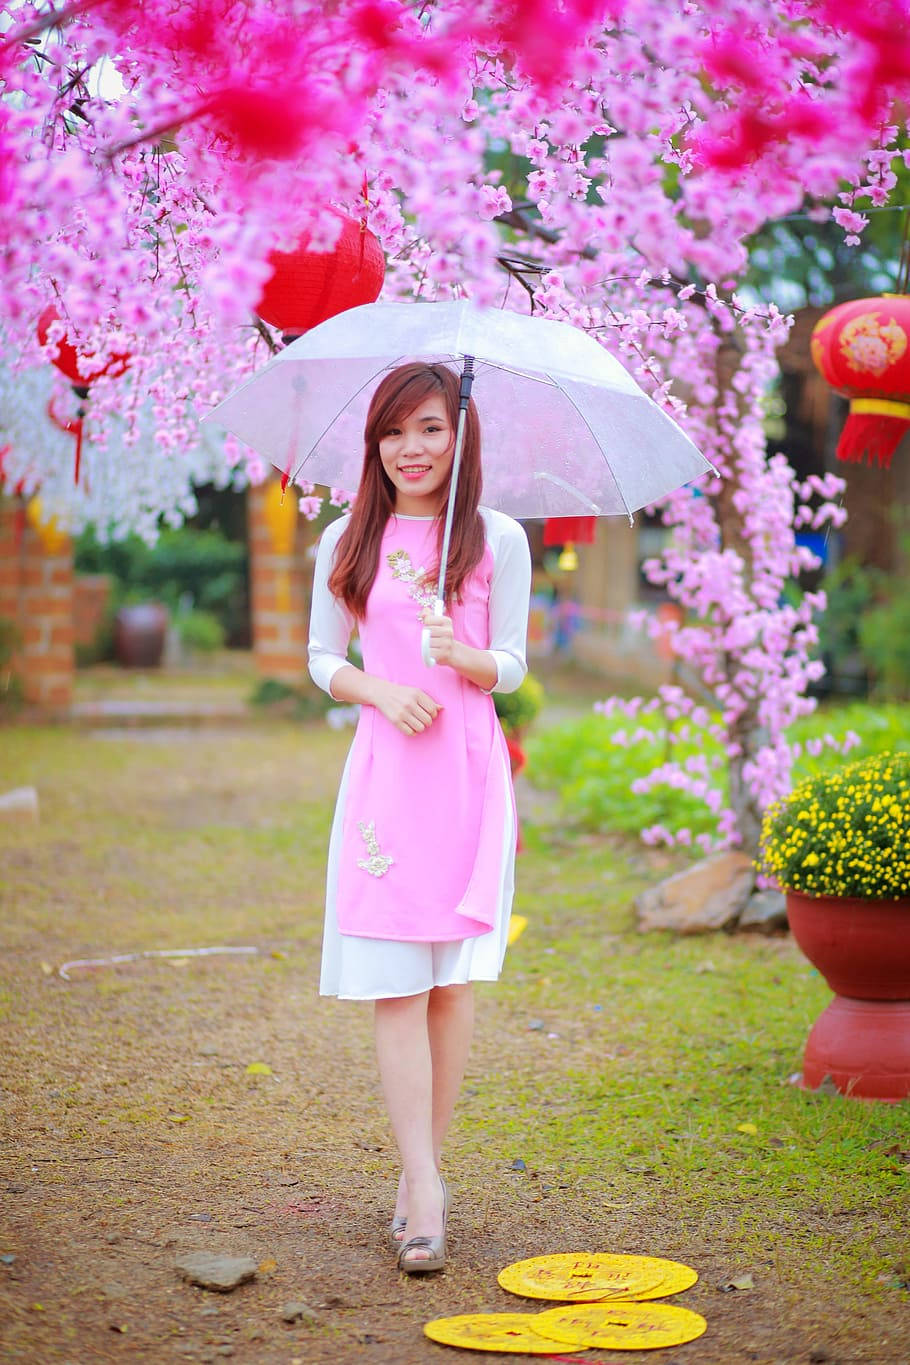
280 576
36 594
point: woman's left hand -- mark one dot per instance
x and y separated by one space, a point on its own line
443 645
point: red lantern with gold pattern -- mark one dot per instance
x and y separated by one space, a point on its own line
863 350
307 287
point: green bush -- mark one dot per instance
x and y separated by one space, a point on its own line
864 632
201 569
884 634
517 709
593 775
200 631
10 641
285 699
850 591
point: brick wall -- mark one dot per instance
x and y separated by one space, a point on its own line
36 594
91 594
280 575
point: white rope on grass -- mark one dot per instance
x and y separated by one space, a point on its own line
146 952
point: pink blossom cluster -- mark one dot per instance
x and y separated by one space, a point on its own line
743 648
609 157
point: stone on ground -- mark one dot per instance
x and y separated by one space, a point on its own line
215 1272
709 895
765 912
298 1311
19 804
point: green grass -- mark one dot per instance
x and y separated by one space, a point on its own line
592 774
663 1047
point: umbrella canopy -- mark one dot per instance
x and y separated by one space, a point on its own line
565 428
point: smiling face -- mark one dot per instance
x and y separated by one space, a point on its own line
416 454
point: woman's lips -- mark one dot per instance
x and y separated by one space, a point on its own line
414 471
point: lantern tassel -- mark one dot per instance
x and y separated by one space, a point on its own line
874 429
74 428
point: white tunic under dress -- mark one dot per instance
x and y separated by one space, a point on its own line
399 961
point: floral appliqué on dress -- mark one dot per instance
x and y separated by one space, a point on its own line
377 864
399 561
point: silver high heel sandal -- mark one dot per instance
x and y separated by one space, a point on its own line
436 1246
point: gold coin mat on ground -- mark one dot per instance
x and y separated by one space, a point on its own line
586 1277
517 925
620 1326
675 1278
494 1332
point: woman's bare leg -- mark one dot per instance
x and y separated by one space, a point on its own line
450 1025
406 1072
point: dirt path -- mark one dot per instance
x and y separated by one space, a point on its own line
134 1132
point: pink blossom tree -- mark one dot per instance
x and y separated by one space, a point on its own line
605 163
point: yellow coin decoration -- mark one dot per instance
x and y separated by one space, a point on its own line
585 1277
517 925
494 1332
676 1278
620 1326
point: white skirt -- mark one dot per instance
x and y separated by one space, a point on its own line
355 968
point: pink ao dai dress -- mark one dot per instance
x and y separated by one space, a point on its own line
422 852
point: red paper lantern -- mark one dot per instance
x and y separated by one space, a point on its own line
67 357
565 530
306 287
67 360
862 350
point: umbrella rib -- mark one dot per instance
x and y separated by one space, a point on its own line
566 394
521 374
326 428
545 475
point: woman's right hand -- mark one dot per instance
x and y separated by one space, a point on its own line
409 709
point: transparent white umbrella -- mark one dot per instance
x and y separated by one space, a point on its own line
566 430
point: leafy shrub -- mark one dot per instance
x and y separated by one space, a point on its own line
884 634
850 590
287 699
517 709
593 773
10 641
864 632
201 568
270 690
200 631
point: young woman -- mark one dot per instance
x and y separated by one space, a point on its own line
421 857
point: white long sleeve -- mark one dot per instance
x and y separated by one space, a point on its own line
331 624
510 598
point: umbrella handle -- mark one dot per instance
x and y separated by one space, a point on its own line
464 398
438 610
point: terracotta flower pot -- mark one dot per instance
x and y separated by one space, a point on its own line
139 634
862 949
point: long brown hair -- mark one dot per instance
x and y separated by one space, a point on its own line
357 553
